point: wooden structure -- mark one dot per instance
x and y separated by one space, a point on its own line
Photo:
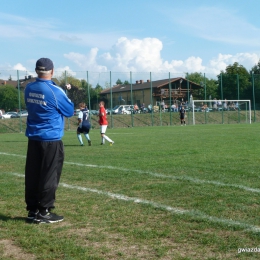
178 89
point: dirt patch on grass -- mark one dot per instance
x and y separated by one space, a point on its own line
10 250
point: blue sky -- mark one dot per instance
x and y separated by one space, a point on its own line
130 35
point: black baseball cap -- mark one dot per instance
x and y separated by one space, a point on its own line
44 64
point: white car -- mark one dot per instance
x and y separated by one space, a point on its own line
23 113
124 109
115 109
9 114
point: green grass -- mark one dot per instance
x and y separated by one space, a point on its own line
166 192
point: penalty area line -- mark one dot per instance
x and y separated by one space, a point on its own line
177 211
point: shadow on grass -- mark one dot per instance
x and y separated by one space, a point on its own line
20 219
72 145
25 141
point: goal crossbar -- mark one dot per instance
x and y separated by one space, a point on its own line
222 101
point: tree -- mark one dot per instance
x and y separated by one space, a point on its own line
119 82
255 75
256 69
10 78
68 78
76 95
209 85
235 82
9 98
79 88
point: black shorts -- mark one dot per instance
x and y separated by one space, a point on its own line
84 129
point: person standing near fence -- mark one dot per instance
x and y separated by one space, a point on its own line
47 104
103 123
182 115
83 124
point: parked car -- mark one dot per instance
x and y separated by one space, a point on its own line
125 109
15 115
9 114
115 109
108 111
93 112
23 113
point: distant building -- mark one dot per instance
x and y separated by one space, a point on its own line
151 92
22 82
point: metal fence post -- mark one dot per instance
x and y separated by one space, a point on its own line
253 83
151 86
19 99
170 89
111 100
131 96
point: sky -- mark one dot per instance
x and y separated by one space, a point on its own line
158 36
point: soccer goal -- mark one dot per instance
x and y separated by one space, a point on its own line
220 111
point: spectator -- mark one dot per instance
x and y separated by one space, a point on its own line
225 105
47 105
150 108
173 107
136 108
143 107
162 105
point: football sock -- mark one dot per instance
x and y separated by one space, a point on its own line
87 136
80 138
108 139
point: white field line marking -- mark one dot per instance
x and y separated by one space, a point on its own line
192 213
158 175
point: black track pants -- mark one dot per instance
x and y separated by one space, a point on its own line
42 173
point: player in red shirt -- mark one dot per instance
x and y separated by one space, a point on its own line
103 123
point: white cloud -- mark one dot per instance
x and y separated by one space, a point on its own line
19 66
86 62
59 71
144 55
248 60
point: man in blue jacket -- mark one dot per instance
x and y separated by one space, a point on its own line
47 104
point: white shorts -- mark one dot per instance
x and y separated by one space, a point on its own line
103 129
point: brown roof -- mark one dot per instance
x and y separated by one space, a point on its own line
146 85
8 82
23 82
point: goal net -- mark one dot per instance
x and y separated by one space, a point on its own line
220 111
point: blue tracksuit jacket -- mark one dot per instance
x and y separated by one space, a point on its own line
47 104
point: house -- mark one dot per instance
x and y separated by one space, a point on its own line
151 92
22 82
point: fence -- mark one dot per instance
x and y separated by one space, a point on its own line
162 92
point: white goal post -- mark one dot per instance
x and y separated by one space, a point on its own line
227 111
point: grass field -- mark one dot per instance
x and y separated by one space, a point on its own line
167 192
